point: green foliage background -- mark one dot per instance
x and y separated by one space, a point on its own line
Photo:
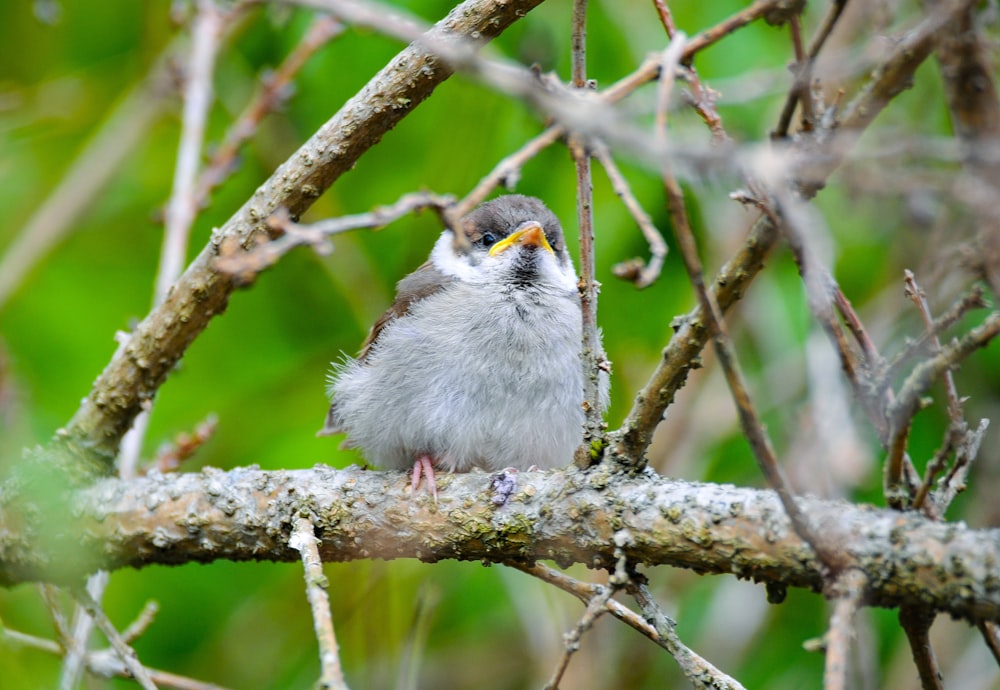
260 368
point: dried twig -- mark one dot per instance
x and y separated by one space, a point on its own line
182 207
908 402
592 353
640 274
244 266
170 455
916 623
122 649
849 591
106 663
597 605
804 69
702 98
274 91
303 540
696 668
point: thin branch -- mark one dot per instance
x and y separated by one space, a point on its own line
184 445
702 98
141 623
105 663
507 171
962 306
592 353
849 591
819 40
206 34
245 265
917 296
916 623
640 274
699 671
597 605
991 635
123 650
304 541
274 91
83 625
908 402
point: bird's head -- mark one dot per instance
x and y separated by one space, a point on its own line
513 240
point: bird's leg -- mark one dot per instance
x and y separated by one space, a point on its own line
424 467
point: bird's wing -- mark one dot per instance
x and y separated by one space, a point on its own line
422 283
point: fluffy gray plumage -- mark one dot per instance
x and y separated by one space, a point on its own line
477 363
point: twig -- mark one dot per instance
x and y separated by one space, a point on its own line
141 623
917 296
849 590
639 274
988 629
124 652
916 623
729 25
907 404
971 300
819 40
83 625
105 663
184 445
592 353
702 99
50 595
274 90
507 171
597 605
953 482
246 265
206 34
303 540
697 669
803 75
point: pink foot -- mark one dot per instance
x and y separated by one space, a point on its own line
423 467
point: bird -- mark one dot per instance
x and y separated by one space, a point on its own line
477 362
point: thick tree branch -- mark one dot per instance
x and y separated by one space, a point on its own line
248 514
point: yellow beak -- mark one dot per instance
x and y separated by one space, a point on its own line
530 234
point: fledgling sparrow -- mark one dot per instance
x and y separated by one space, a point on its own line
477 362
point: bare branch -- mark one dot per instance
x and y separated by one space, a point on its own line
304 540
661 631
916 622
849 590
124 652
907 404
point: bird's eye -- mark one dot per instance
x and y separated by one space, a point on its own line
488 239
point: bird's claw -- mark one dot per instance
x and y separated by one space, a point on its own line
424 468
